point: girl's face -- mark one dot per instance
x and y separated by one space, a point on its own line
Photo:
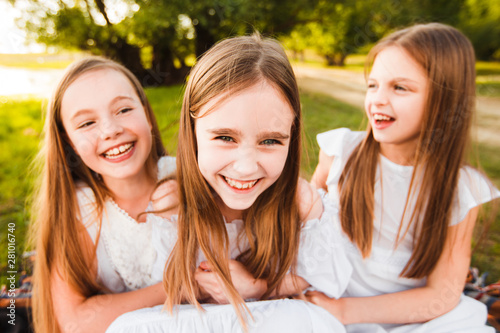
243 144
106 124
396 99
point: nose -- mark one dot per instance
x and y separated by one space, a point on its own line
110 128
378 97
246 162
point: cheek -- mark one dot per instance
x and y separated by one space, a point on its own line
83 144
275 164
208 158
367 106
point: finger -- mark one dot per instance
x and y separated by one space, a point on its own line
205 265
311 293
300 297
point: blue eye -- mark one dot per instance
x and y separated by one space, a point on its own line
124 110
225 138
86 124
270 142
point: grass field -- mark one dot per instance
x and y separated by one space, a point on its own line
40 61
20 138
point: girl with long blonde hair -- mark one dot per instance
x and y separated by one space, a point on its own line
101 159
408 202
245 222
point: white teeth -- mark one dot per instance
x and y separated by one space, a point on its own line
239 185
117 152
380 117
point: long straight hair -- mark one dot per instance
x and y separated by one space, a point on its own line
56 221
447 58
272 223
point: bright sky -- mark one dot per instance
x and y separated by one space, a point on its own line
13 39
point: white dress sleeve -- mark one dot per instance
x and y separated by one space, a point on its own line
321 259
473 189
166 166
340 143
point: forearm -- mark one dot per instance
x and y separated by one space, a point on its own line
291 285
96 313
410 306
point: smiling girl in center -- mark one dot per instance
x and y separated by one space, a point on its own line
244 220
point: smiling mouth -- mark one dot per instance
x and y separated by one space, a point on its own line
117 152
381 118
240 185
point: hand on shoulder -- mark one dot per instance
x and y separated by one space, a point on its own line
309 201
166 198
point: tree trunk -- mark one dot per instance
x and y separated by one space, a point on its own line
163 70
335 59
129 56
204 40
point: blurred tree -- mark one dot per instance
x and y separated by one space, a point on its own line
172 29
81 24
480 21
338 28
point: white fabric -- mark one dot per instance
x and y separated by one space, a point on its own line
379 274
321 261
125 255
282 315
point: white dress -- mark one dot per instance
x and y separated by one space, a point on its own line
379 274
321 262
125 255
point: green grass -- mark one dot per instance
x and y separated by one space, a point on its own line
166 102
485 68
40 60
21 130
322 113
19 139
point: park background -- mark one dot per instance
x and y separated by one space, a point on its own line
160 39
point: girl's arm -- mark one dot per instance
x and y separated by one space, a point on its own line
77 313
320 175
441 294
248 287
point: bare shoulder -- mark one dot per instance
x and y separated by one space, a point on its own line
165 198
309 201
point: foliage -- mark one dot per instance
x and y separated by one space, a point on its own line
479 20
171 30
339 28
19 138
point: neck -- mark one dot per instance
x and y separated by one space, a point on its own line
228 213
399 154
132 194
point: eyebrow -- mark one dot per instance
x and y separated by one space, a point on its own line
122 97
80 113
113 101
274 135
266 134
396 79
404 79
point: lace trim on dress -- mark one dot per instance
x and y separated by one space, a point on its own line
129 246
